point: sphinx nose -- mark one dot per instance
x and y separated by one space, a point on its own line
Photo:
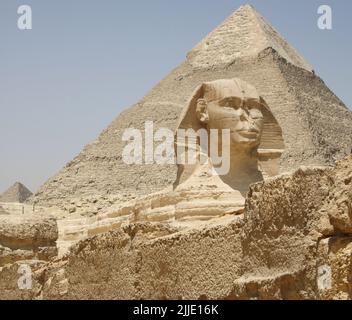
244 116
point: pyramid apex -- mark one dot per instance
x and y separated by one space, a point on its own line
247 6
244 34
247 9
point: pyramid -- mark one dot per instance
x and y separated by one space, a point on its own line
317 126
245 33
17 193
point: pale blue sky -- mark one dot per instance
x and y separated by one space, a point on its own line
85 61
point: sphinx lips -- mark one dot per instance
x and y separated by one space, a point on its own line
249 133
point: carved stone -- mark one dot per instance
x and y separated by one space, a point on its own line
256 144
200 192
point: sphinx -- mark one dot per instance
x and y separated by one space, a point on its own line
253 146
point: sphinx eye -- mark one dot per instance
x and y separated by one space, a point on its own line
227 107
230 106
255 113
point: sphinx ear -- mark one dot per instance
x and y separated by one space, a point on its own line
202 111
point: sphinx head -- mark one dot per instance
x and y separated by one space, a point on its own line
234 105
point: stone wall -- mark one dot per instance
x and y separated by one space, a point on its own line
293 242
27 238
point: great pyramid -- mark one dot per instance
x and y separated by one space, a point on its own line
17 193
317 126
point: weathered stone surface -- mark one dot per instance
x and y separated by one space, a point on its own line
27 238
9 277
317 126
338 207
29 231
335 268
278 249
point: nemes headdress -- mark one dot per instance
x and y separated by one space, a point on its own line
272 142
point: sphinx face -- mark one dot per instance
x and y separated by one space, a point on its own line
244 122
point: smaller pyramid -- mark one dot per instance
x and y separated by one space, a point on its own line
17 193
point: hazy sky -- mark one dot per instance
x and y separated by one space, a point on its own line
85 61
